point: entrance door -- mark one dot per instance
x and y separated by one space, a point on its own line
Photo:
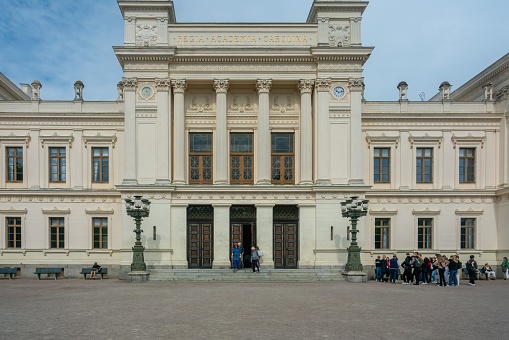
243 229
200 245
285 245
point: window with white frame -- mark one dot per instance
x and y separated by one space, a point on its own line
57 232
468 226
425 233
382 233
13 227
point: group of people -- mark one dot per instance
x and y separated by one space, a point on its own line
237 257
439 269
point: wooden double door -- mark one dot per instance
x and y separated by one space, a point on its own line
244 232
286 245
200 245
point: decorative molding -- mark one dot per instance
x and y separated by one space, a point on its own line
283 103
426 212
200 103
13 211
179 85
426 139
221 85
12 138
356 84
469 212
383 212
163 84
220 67
323 85
383 139
263 85
241 105
339 36
100 139
152 66
57 138
130 83
468 140
306 85
99 211
56 211
146 35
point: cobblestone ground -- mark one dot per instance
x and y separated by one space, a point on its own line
113 309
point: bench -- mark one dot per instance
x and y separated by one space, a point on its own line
86 271
48 271
10 271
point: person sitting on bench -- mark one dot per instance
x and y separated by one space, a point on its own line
488 272
95 269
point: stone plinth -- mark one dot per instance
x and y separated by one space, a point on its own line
353 276
137 276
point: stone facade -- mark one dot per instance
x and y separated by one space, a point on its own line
252 132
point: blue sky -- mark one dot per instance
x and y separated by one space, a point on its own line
422 42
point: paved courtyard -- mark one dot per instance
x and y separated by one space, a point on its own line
113 309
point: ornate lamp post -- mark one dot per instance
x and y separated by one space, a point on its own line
138 209
353 209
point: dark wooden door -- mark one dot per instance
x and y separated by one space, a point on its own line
200 245
285 245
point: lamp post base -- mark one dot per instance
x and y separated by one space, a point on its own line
354 276
137 276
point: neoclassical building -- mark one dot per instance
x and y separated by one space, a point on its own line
253 133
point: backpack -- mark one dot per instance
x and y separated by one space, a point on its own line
469 265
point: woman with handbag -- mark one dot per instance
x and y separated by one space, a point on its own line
505 268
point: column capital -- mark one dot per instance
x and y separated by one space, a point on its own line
163 84
130 84
221 85
263 85
323 84
306 85
179 85
356 84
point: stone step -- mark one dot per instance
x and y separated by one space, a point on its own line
227 275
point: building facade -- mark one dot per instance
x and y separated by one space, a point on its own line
253 133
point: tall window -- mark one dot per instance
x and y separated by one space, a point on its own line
467 165
468 226
13 232
57 164
283 158
200 158
100 165
100 226
14 164
241 158
424 233
57 232
382 161
382 233
424 165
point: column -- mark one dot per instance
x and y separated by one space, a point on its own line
221 236
447 179
356 86
307 235
130 177
264 234
406 160
163 131
179 159
76 166
33 162
306 132
264 141
178 235
323 135
221 140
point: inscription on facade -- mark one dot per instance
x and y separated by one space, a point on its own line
216 39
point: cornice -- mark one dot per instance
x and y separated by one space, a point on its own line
216 59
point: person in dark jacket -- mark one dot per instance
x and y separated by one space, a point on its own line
394 268
416 264
471 266
453 269
425 268
378 269
407 269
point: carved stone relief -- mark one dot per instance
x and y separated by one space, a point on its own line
146 35
283 103
241 103
200 103
339 36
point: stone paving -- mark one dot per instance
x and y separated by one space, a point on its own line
114 309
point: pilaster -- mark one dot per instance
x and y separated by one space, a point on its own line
307 235
323 138
179 88
221 236
163 131
130 145
33 153
178 234
264 233
77 164
356 86
264 141
306 132
221 140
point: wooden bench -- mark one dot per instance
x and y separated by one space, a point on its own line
88 271
10 271
48 271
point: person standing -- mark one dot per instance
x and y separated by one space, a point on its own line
378 269
236 257
453 269
471 267
241 247
394 268
425 268
505 268
407 269
442 264
255 259
416 264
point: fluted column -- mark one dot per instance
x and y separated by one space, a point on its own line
306 132
130 153
179 159
163 131
356 86
221 152
323 127
263 146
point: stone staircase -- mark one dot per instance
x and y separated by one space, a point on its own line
246 275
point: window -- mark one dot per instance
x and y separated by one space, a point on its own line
241 158
100 232
468 226
14 164
282 158
424 233
57 164
382 161
200 158
467 165
57 232
13 232
100 165
382 233
424 165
